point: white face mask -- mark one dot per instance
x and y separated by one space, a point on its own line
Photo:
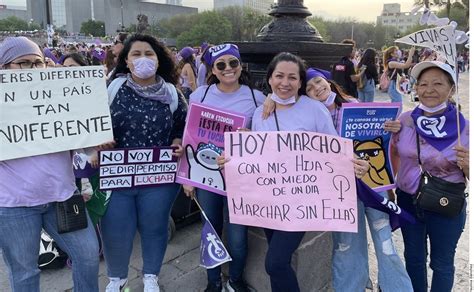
281 101
144 67
330 100
433 109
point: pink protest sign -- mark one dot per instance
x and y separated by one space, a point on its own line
291 181
203 141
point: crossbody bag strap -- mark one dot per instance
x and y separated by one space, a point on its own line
205 93
418 149
253 96
276 120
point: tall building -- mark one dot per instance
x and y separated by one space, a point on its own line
260 5
392 16
70 14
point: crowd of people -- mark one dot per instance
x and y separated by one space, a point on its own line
152 88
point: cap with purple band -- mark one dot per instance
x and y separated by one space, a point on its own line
220 50
315 72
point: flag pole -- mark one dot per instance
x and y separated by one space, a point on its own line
458 122
200 208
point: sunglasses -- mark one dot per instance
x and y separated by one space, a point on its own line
368 152
234 63
117 42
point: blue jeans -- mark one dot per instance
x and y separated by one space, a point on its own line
20 230
215 207
395 96
350 254
145 209
367 93
281 246
443 234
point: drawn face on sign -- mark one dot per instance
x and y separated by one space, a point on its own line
433 87
373 152
208 157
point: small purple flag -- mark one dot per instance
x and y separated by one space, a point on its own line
372 199
213 252
81 166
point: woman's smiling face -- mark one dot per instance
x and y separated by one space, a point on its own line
318 88
285 80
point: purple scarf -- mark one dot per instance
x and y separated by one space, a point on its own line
160 91
438 130
370 198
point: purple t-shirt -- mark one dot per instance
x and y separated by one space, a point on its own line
439 163
305 115
239 101
36 180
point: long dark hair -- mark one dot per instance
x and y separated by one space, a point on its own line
189 60
288 57
166 65
341 95
78 58
368 58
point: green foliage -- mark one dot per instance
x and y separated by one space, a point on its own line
458 14
174 26
13 23
245 22
94 28
210 26
320 24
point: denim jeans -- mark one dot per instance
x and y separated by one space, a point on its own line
145 209
281 246
350 254
367 93
215 207
443 234
20 230
395 96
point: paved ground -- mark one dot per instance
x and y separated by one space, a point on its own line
181 271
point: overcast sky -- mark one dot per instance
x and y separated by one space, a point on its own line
364 10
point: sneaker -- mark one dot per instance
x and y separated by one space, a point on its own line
214 288
150 283
237 286
116 285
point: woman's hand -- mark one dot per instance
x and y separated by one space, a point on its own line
462 158
94 159
106 146
221 160
178 152
392 126
268 107
189 191
360 167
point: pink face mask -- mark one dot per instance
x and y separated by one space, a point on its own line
144 67
399 54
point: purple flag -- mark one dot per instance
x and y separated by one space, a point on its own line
213 252
372 199
81 166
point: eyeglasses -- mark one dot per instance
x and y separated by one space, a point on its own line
29 64
234 63
117 42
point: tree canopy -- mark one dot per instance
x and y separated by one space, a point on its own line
13 23
93 27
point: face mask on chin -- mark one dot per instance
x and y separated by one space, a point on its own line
281 101
144 67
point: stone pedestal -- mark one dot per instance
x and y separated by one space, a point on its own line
311 261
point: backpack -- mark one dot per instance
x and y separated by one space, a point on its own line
115 85
384 82
362 81
50 255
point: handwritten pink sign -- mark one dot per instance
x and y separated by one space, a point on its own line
203 141
291 181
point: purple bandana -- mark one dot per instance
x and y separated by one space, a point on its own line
438 130
225 49
370 198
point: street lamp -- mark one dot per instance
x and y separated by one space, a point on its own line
121 10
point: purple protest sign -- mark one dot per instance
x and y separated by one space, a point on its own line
139 167
363 123
203 141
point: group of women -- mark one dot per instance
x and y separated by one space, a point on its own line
147 110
